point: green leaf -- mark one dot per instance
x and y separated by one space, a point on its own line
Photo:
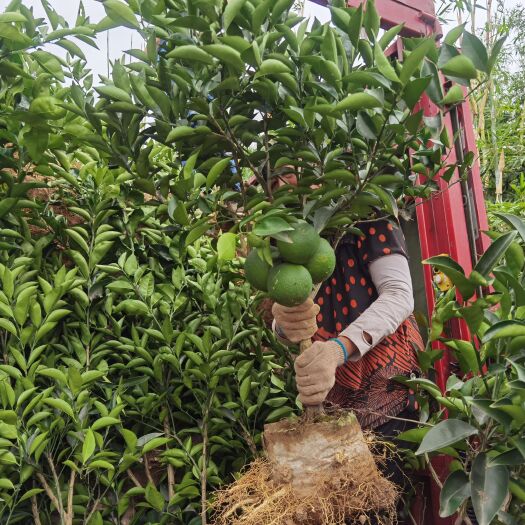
515 222
340 18
496 50
196 233
155 443
279 8
453 96
510 458
225 54
179 132
494 253
460 66
73 234
271 66
413 61
154 497
100 463
444 434
232 10
9 416
132 307
6 484
61 405
13 34
216 171
12 16
226 246
37 442
356 23
104 422
55 374
72 48
455 273
192 53
389 35
114 93
414 89
455 491
489 487
177 211
29 494
50 63
356 102
383 64
454 34
466 354
245 388
8 326
88 447
8 431
473 48
507 328
372 21
130 438
270 226
121 13
365 126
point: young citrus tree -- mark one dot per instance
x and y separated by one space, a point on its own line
249 89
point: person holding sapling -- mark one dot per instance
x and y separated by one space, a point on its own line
361 322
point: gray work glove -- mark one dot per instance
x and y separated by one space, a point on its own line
296 323
315 371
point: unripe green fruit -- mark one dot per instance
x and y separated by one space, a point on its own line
322 263
305 241
47 107
256 271
289 284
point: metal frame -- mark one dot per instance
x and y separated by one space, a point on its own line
452 221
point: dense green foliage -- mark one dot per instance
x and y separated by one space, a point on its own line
123 358
481 417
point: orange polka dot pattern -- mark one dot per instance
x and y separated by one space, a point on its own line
345 295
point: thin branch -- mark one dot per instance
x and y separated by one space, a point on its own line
48 490
134 479
435 477
34 510
171 471
148 472
204 475
57 487
71 489
93 510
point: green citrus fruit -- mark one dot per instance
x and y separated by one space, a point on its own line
256 271
305 241
289 284
322 263
47 107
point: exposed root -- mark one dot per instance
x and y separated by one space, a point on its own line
344 496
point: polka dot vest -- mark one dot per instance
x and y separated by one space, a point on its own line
365 386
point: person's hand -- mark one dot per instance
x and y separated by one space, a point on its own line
297 323
315 371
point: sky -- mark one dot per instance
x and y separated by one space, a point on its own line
121 39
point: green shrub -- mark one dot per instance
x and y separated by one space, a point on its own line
480 419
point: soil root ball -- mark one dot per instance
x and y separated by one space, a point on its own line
342 493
